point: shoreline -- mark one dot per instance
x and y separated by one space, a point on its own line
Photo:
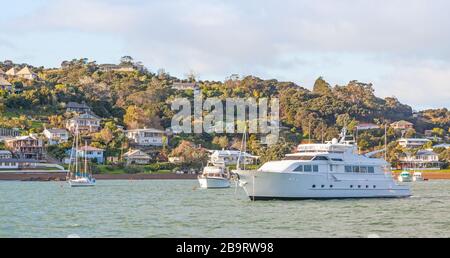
59 176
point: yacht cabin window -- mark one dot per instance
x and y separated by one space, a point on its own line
298 158
308 168
299 169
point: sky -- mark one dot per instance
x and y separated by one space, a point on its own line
401 46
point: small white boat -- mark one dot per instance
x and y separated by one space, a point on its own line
405 176
77 176
417 176
214 176
82 181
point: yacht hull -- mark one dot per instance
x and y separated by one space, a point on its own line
211 183
81 182
291 186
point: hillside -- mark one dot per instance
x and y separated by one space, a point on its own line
129 95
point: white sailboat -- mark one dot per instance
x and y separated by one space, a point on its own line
78 175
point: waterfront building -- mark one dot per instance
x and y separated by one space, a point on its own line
423 159
26 147
146 137
91 153
85 123
136 157
56 136
5 154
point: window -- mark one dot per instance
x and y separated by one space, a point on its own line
331 167
308 168
367 186
299 169
323 186
298 158
331 186
371 169
363 169
359 186
313 186
320 158
351 186
356 169
334 159
374 186
315 168
348 169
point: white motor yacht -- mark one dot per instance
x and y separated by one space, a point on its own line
322 171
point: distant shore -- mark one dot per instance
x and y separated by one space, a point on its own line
58 176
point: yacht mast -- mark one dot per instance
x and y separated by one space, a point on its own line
85 158
76 152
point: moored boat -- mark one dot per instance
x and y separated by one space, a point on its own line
322 171
214 176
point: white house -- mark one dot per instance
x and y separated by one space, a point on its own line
413 142
86 123
146 137
56 136
423 159
6 160
91 153
367 126
136 157
230 157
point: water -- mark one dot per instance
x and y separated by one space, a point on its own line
174 208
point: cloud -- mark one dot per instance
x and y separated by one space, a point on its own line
215 38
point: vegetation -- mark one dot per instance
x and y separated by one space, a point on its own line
142 98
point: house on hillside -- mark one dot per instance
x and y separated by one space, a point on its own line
5 85
423 159
185 86
136 157
91 153
367 126
6 133
78 107
85 123
5 154
146 137
412 142
56 136
402 125
12 72
26 73
443 145
26 147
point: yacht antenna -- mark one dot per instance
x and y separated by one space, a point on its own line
385 142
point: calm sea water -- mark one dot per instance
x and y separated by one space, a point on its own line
176 208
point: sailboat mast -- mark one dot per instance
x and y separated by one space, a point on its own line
85 159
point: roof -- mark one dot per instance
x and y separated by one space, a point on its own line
56 130
231 153
426 152
76 105
415 139
402 122
5 152
89 148
25 71
135 152
4 82
443 145
150 130
13 71
86 116
22 138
